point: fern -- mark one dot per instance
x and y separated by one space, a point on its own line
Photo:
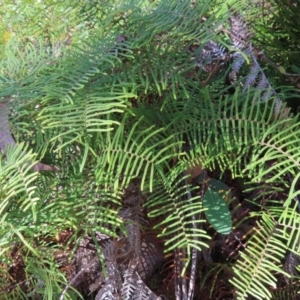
132 124
17 187
262 257
239 33
177 214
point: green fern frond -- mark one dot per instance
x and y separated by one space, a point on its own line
254 270
224 131
179 229
134 151
281 146
20 63
290 220
172 18
18 187
243 122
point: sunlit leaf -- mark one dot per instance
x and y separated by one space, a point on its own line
217 211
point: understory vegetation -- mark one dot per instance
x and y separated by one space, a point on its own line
149 149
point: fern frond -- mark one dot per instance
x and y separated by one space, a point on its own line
263 81
281 146
241 39
211 139
239 32
129 284
249 117
290 219
177 213
210 54
20 63
253 272
107 293
238 61
125 156
17 181
143 292
180 19
251 77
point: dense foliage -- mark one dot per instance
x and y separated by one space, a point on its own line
149 149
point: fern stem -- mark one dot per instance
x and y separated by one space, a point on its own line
194 251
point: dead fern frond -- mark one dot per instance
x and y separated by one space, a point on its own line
238 61
252 76
129 284
239 32
241 39
211 54
262 81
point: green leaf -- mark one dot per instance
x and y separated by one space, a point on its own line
217 212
